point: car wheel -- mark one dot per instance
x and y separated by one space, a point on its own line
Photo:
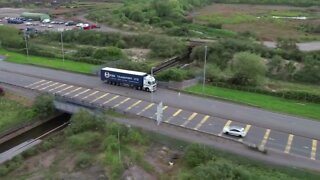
227 132
240 136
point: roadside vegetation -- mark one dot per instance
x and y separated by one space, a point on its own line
93 146
278 104
15 110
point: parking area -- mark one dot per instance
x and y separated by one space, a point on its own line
280 141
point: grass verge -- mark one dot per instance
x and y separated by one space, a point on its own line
48 62
13 113
309 110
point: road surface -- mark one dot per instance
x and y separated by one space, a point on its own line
284 133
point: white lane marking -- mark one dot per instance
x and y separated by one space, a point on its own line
40 81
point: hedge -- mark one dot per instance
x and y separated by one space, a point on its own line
293 95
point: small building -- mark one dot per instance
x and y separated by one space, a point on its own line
35 16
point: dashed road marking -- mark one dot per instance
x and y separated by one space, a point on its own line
115 97
265 138
80 93
246 130
314 149
48 82
191 117
146 108
72 91
202 122
226 125
174 115
48 86
127 99
288 147
56 87
99 97
64 89
35 83
133 105
90 95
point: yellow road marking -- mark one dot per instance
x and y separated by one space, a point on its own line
64 89
57 87
193 115
146 108
48 82
115 97
133 105
202 122
174 115
127 99
314 149
226 125
72 91
288 147
99 98
34 83
48 86
246 129
265 138
90 94
81 93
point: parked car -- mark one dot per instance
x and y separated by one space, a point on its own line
46 21
28 23
70 23
1 91
14 21
234 131
50 26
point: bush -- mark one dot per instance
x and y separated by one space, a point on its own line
84 121
197 154
10 37
82 140
166 47
1 92
178 31
110 53
43 105
248 69
85 52
172 74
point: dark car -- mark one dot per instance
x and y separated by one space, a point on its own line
1 91
14 21
70 23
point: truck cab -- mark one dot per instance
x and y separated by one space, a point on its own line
149 83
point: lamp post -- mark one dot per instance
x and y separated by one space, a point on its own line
204 67
25 39
62 51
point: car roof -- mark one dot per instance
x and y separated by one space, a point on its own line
236 127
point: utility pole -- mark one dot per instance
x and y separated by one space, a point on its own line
27 50
204 67
152 91
119 145
62 51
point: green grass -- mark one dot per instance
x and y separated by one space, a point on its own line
48 62
309 110
13 113
234 19
288 86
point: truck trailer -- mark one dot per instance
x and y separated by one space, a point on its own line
138 80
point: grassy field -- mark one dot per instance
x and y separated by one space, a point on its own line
309 110
13 113
258 19
48 62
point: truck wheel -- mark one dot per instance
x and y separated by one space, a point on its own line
147 89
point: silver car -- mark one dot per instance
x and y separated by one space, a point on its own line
234 131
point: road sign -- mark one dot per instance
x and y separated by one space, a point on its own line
159 113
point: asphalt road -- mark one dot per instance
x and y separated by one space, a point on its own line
217 108
190 119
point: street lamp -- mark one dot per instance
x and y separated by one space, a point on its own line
25 39
204 67
62 51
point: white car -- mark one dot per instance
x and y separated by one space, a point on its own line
46 21
28 23
234 131
79 24
50 26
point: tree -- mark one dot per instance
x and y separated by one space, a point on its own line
248 69
166 47
43 105
310 72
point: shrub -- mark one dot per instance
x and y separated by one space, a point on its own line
172 74
248 69
10 37
166 47
110 53
1 92
197 154
82 140
84 52
43 105
84 121
179 31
